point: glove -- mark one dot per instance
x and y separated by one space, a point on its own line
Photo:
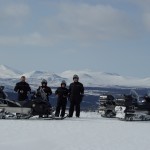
21 91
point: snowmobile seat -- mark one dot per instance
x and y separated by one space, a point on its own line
147 98
110 97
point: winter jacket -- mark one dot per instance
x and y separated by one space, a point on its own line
62 93
76 91
47 90
22 88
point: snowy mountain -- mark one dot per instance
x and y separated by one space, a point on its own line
102 79
43 75
7 72
9 77
35 78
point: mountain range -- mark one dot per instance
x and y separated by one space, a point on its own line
9 77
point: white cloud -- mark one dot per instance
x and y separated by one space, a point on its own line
89 22
81 23
16 10
34 39
14 14
146 20
144 6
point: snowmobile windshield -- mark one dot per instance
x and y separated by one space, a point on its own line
134 95
148 93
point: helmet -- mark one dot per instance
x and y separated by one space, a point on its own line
75 77
44 81
23 78
63 82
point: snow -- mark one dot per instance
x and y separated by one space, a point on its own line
7 72
8 77
102 79
90 132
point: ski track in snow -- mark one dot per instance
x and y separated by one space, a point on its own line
90 132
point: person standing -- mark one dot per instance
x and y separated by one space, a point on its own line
22 88
62 95
76 93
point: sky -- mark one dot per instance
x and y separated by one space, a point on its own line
54 35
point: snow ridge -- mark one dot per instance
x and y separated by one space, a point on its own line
9 76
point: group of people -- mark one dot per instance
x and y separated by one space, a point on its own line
74 94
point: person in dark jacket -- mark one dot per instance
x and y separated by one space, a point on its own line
22 88
62 95
2 93
76 93
46 89
44 95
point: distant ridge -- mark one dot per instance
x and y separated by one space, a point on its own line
9 76
7 72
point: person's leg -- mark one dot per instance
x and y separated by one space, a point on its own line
58 109
71 109
63 106
49 103
78 110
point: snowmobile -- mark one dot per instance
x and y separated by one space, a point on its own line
133 107
107 106
38 106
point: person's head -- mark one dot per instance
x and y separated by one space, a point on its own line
44 82
23 78
63 83
75 78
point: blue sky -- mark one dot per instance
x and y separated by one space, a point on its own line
54 35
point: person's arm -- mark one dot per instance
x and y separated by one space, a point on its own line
81 92
49 91
56 92
66 93
29 89
69 90
16 88
82 89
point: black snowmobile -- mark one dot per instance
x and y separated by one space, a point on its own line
37 107
107 106
133 107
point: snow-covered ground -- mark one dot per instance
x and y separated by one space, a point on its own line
90 132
